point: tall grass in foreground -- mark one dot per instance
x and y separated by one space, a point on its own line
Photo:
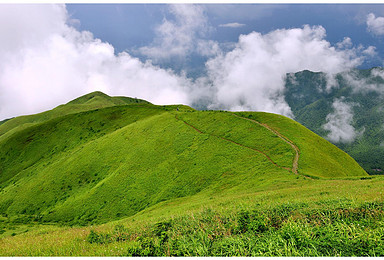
320 218
285 230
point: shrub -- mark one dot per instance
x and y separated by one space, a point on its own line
120 233
243 221
161 231
146 247
95 237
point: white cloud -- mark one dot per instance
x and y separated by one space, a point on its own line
346 43
252 76
45 62
232 25
358 53
182 36
370 51
377 72
28 25
339 123
365 84
375 24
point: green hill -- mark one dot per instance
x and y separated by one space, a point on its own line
114 158
102 164
91 101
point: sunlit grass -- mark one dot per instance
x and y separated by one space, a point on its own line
341 210
134 166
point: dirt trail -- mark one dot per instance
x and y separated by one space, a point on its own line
189 125
228 140
285 139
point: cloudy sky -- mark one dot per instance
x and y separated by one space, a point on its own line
222 56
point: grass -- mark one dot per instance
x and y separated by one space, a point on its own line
287 230
326 218
91 101
124 179
246 133
317 156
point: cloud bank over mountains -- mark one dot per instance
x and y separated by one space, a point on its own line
252 75
44 62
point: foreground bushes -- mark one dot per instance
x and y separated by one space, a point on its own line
287 230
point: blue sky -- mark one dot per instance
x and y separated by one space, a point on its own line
129 26
216 56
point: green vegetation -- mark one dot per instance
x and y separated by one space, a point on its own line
311 102
91 101
138 179
286 230
314 151
300 218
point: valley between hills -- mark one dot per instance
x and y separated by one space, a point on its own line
119 176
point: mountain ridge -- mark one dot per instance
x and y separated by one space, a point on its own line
360 91
106 163
91 101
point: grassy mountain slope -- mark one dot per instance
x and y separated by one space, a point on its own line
318 157
91 101
112 162
169 180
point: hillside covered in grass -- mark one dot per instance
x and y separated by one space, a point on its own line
91 101
99 159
